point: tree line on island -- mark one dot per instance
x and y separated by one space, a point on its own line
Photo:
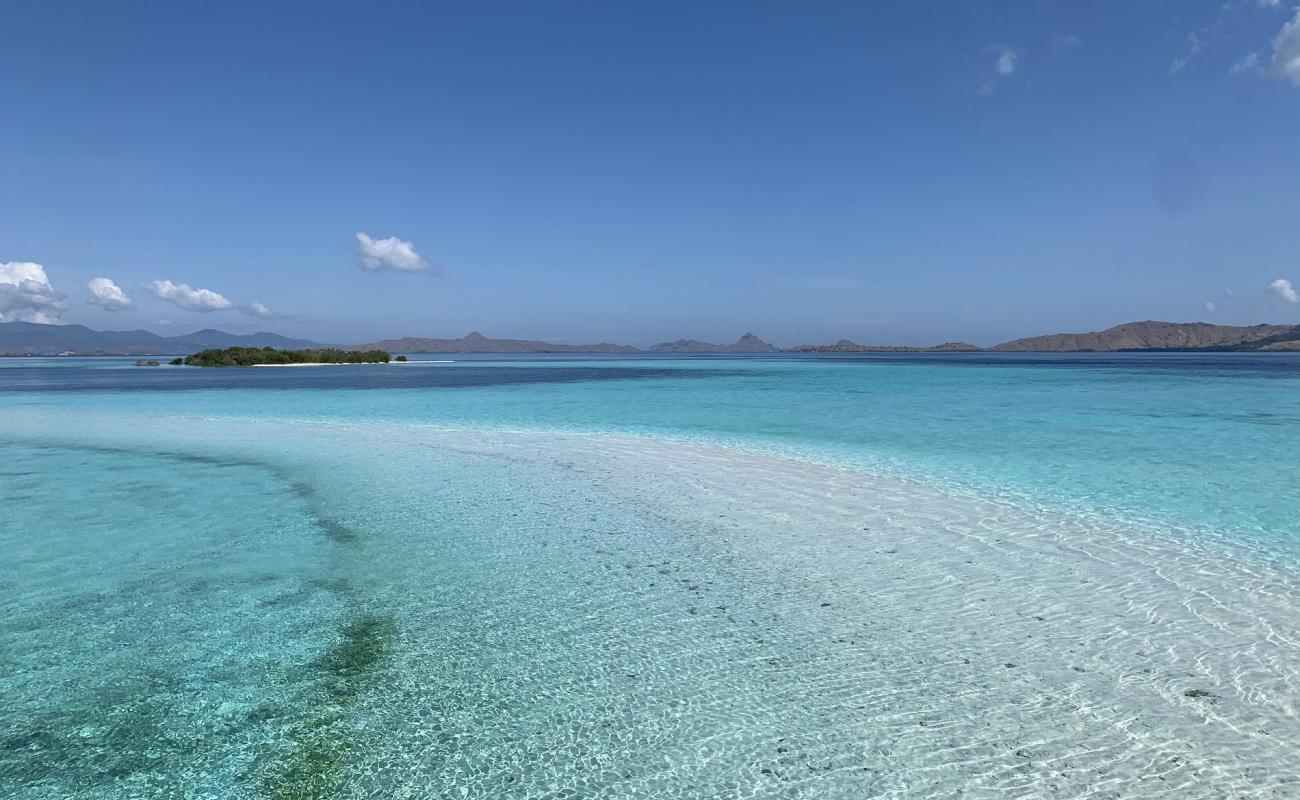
254 356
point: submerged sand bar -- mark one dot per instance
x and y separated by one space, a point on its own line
974 643
747 619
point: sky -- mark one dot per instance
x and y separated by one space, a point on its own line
893 172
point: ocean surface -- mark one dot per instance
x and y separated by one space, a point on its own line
897 575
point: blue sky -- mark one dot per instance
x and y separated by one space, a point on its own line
637 171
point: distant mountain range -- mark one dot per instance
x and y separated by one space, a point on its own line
31 339
845 346
749 343
478 343
25 338
1152 335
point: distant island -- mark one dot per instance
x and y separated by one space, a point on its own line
749 343
1152 335
255 357
845 346
1132 336
33 339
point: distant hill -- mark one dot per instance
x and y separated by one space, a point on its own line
1152 335
749 343
29 338
478 343
846 346
214 338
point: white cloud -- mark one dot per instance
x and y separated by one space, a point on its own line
26 294
1065 39
1247 63
107 295
1229 293
182 295
391 253
1286 51
1283 290
1209 307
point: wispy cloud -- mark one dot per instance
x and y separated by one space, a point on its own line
256 309
26 294
1209 307
1247 63
391 253
1283 290
1195 44
107 295
1004 65
1286 51
1065 39
1284 60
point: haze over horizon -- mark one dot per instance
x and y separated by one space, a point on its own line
635 173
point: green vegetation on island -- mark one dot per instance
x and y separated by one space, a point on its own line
253 356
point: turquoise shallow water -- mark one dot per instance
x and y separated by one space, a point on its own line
615 577
1165 435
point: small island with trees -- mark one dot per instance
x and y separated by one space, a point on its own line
269 356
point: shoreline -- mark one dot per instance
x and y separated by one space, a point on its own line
356 364
321 364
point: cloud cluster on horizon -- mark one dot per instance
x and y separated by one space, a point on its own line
26 294
107 295
391 253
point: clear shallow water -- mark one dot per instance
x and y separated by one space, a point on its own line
607 577
1163 436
